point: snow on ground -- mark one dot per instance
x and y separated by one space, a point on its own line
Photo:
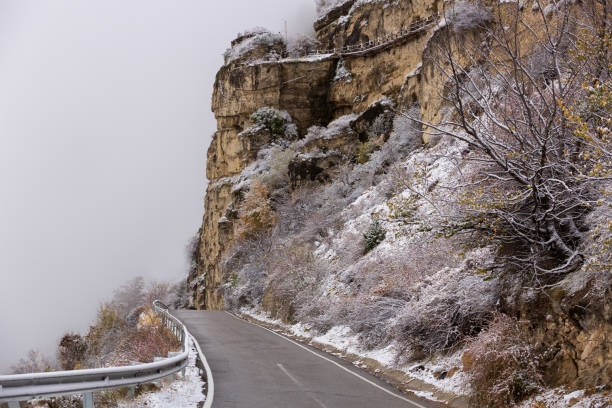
561 398
181 393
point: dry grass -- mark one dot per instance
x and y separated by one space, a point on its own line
504 365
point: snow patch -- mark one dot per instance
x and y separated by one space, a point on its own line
562 397
342 73
181 393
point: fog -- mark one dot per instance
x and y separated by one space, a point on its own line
104 124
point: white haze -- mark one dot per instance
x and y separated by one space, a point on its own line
104 124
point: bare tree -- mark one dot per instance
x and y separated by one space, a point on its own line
34 362
129 296
520 91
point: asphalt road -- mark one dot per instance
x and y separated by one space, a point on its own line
255 368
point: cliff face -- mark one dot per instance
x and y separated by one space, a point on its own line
302 89
309 90
344 109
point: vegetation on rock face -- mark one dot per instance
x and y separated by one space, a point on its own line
364 151
34 362
255 214
277 176
374 235
277 122
465 16
302 45
503 364
256 44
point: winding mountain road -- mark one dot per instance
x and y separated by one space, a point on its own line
254 367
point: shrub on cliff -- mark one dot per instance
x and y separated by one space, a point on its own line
278 122
277 175
374 235
295 277
448 307
465 16
34 362
144 344
302 45
502 364
325 6
256 44
255 216
245 269
104 335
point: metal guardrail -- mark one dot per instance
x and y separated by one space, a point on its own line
23 387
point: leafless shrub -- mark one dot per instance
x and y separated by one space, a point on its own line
278 174
129 296
161 291
369 317
193 253
302 45
295 277
348 249
104 335
144 344
245 271
34 362
503 364
181 296
311 211
465 16
438 325
448 307
322 312
395 273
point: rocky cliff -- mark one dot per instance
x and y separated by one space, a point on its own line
333 139
311 91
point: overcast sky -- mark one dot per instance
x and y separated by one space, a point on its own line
104 124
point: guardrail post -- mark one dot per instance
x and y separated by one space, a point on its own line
88 400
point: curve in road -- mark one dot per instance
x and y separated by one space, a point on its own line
256 368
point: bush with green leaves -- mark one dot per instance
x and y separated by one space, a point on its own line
374 235
278 122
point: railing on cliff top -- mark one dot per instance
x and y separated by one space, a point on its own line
369 46
380 42
23 387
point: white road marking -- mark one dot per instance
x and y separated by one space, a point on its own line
416 404
299 384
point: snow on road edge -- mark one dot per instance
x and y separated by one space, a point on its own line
181 393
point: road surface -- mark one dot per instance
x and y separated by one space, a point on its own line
253 367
